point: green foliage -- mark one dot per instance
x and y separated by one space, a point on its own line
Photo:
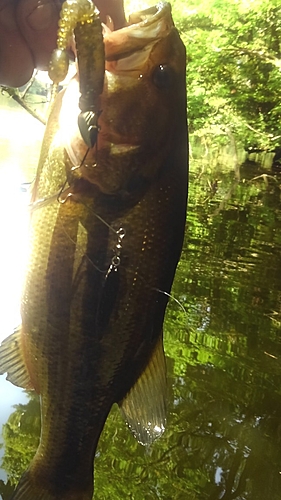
223 352
233 68
223 357
21 437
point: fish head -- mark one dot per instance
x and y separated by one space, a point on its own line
142 108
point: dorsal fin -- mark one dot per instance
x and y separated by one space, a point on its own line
144 407
12 361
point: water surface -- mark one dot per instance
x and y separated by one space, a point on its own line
223 436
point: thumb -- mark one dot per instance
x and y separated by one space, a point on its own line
38 23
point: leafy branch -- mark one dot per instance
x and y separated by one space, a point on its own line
14 94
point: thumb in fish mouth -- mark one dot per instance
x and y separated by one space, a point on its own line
113 9
28 34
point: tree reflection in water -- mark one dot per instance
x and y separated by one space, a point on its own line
224 424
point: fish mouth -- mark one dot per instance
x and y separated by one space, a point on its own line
144 28
126 52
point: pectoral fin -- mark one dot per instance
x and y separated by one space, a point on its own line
12 361
144 407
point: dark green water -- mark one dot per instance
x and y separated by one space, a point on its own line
223 435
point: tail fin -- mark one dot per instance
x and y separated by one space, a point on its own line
27 489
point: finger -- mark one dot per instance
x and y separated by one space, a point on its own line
114 9
38 23
16 64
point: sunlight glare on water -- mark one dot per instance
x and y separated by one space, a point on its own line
20 139
14 225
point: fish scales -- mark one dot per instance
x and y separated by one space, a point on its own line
106 235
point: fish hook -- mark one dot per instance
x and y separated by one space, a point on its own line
89 127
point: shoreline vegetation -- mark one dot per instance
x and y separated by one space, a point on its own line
233 74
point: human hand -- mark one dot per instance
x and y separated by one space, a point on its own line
28 33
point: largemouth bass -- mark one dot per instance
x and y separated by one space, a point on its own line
106 234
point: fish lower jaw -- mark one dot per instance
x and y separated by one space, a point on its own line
105 147
112 142
117 149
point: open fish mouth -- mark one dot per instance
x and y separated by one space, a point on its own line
127 53
144 27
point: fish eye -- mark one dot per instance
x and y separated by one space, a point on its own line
162 76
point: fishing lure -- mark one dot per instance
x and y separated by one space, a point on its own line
81 18
80 27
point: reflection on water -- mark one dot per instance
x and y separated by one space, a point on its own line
20 139
223 438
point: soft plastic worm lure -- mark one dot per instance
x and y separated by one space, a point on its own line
82 18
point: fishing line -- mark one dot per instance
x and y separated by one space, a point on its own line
43 202
119 233
61 192
82 255
116 232
171 297
82 162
